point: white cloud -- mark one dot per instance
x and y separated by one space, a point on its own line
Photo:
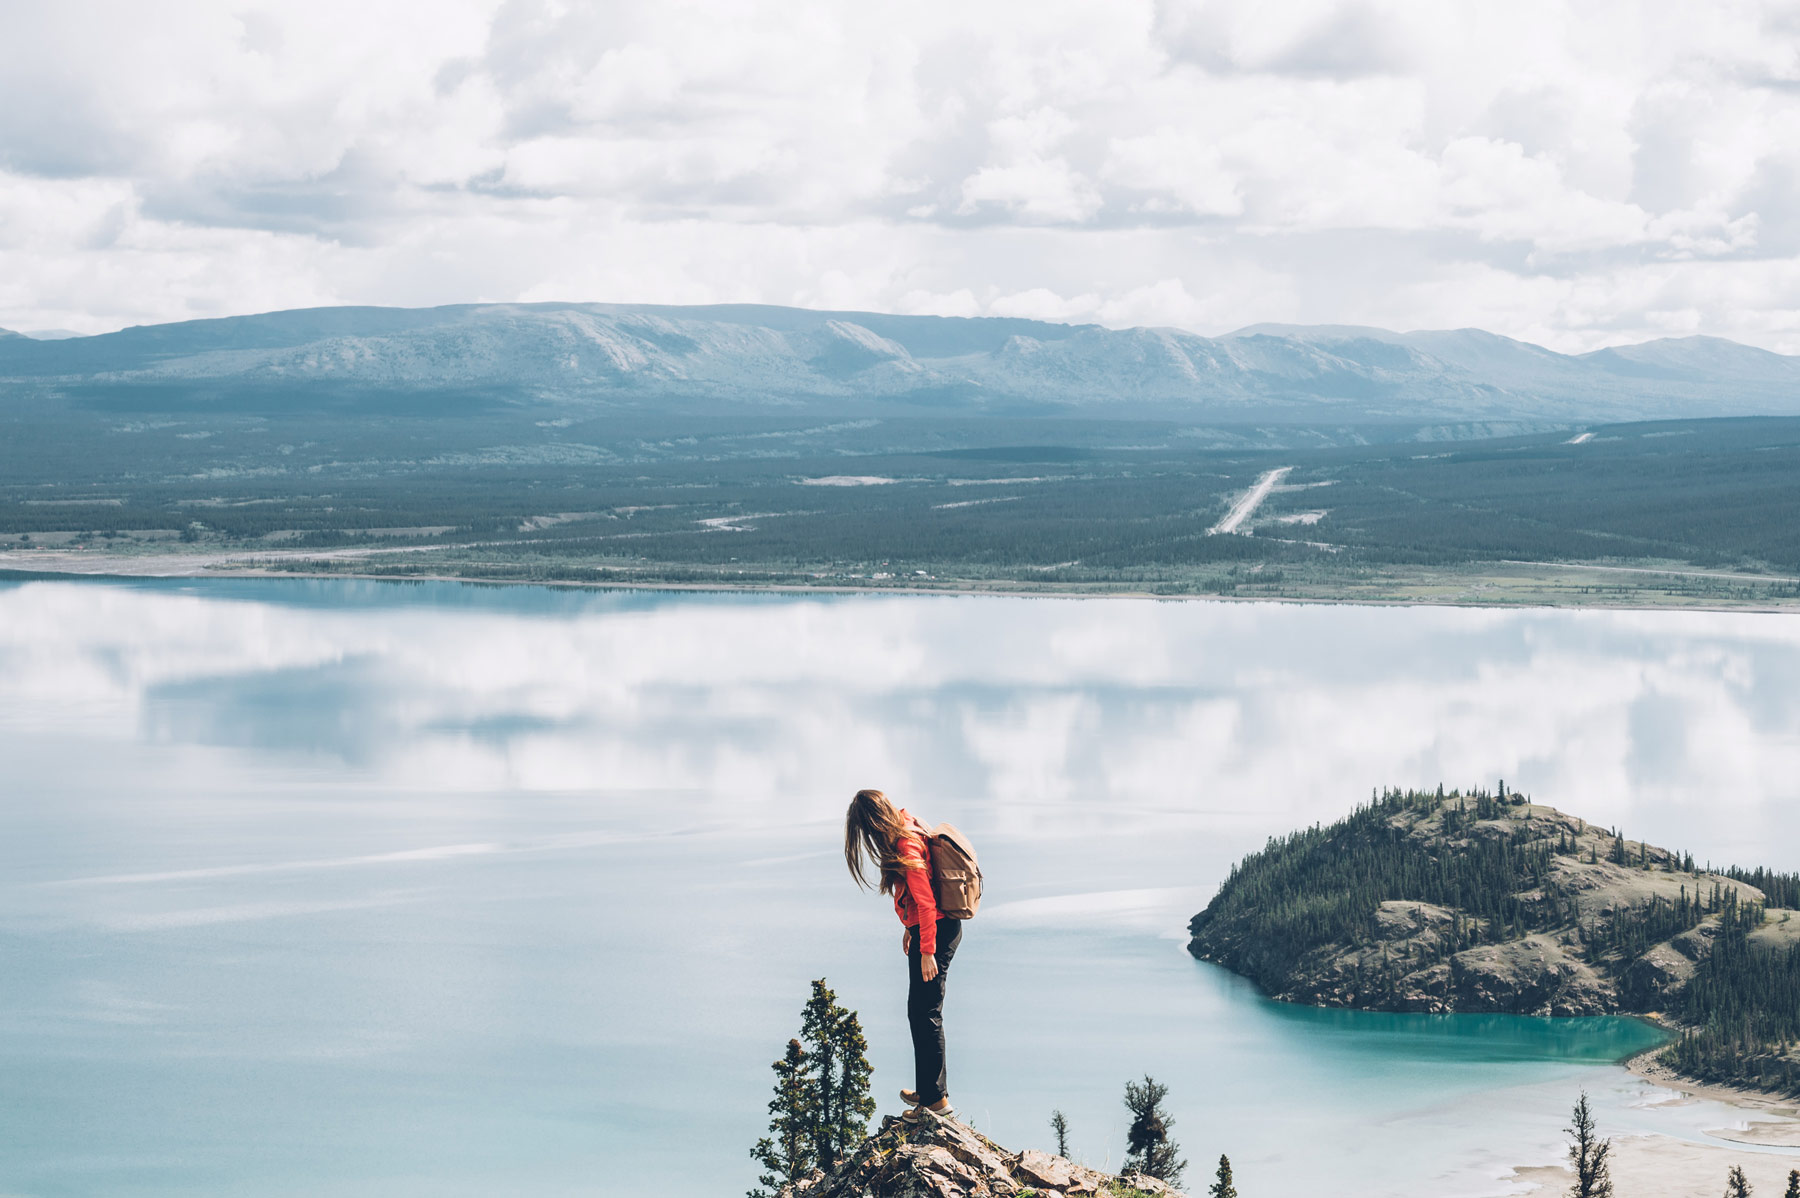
1575 173
1036 190
1177 171
1496 190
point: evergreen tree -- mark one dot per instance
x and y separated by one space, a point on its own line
821 1108
1222 1188
1793 1189
787 1153
1060 1125
1736 1185
840 1073
854 1102
1588 1153
1148 1147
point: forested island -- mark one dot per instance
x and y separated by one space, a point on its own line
1435 901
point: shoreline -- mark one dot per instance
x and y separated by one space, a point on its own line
1666 1165
1660 1166
52 563
1646 1066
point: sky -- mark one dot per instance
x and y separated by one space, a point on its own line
1571 172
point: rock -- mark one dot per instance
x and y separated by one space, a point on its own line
1043 1170
1533 975
1655 980
943 1158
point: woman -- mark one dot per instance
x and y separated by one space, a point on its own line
895 843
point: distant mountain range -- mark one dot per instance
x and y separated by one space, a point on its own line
666 357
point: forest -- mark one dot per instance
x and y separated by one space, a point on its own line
487 492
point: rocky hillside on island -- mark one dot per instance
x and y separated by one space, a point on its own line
1440 902
943 1158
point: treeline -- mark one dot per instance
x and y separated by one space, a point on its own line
1742 1007
1779 889
1709 493
1713 493
1626 935
1324 886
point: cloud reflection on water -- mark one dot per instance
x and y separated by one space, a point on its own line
1291 712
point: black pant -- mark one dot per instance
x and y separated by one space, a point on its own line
925 1012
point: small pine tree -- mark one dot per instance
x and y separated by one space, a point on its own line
1793 1189
1060 1126
1222 1187
1148 1147
840 1073
1736 1186
822 1105
854 1102
1588 1153
787 1154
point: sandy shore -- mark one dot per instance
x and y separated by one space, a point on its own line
1755 1103
1667 1167
1660 1167
178 563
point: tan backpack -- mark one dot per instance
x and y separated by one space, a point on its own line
955 877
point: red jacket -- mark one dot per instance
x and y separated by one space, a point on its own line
914 902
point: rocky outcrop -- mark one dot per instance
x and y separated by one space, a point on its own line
1555 957
943 1158
1538 975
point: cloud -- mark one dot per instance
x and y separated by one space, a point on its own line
1240 161
1177 172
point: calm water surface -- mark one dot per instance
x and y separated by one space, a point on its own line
355 889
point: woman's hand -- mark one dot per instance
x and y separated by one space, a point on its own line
906 942
927 966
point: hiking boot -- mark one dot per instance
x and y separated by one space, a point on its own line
919 1114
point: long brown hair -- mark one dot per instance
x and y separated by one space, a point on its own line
873 828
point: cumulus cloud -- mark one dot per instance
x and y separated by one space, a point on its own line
1577 174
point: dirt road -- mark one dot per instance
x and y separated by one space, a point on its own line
1247 503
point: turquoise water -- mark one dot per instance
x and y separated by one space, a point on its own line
357 889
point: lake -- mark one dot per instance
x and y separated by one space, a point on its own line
345 888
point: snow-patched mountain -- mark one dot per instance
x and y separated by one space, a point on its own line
628 354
